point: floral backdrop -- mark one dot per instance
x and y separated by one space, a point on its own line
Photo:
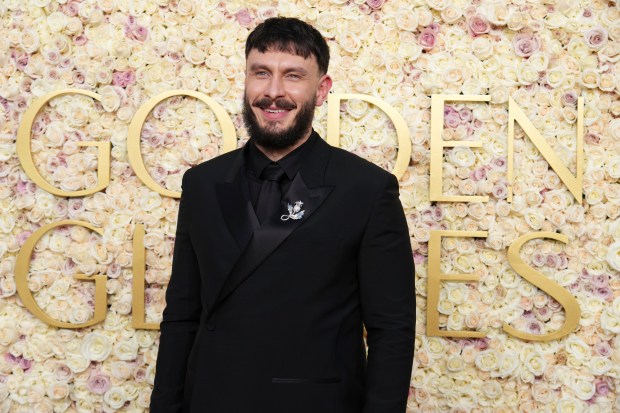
542 53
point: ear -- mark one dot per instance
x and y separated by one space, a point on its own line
325 84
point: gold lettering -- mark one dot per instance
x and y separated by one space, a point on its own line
435 277
561 295
137 287
573 183
22 265
135 130
438 145
402 131
24 150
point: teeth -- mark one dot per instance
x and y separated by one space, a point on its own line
274 111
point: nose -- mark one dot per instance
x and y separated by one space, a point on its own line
275 88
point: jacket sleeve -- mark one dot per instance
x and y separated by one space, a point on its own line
181 317
386 279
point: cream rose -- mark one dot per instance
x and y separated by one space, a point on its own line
96 347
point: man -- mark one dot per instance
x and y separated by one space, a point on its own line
284 250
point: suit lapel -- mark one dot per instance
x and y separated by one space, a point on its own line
307 187
233 196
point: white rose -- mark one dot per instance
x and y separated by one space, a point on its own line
488 360
77 363
126 350
115 397
58 390
536 363
570 405
599 365
194 54
96 347
110 100
56 21
613 256
29 40
406 19
584 389
438 4
462 156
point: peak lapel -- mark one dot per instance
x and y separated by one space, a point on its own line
234 199
272 233
239 217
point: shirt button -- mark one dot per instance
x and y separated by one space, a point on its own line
211 325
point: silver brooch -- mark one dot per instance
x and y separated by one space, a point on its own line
294 211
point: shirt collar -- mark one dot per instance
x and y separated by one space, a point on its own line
291 163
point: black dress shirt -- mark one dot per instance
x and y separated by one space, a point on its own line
256 161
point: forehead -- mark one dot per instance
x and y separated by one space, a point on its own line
276 58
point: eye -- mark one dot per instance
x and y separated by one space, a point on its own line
293 76
261 73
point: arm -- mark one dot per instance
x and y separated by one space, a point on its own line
387 295
180 319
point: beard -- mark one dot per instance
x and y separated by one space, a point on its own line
269 137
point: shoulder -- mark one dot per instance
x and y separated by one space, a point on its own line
349 168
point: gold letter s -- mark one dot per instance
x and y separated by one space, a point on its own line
561 295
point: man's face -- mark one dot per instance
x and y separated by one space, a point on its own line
281 92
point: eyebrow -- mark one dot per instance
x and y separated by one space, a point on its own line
260 66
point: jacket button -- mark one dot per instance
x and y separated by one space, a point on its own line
211 325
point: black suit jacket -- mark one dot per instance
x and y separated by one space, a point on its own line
269 318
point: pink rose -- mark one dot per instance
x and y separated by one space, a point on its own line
552 260
544 313
21 60
451 118
123 79
603 348
244 18
481 344
596 38
98 383
605 293
375 4
140 33
22 187
434 27
78 77
525 44
71 9
500 191
418 258
592 138
478 25
534 327
538 259
478 174
80 40
22 237
600 281
602 387
563 261
427 39
569 99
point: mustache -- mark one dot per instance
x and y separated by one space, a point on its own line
280 103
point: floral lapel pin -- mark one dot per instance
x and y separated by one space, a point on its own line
294 211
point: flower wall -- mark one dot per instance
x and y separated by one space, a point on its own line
544 54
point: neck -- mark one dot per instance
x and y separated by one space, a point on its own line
276 154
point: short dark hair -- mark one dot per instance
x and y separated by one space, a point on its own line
288 34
